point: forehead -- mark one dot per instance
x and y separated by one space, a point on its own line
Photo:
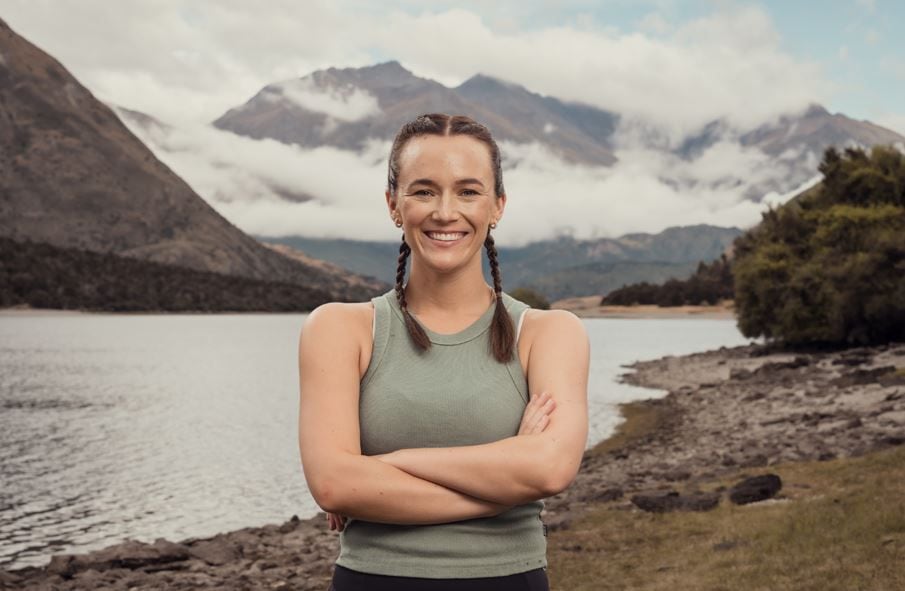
452 156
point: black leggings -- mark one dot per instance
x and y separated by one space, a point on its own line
346 579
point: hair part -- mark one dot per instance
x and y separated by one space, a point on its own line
502 330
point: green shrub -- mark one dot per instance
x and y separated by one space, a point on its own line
828 267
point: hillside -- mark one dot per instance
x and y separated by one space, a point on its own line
72 175
558 268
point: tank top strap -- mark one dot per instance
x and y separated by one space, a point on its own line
381 334
517 309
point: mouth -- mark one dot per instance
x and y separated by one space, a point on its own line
445 238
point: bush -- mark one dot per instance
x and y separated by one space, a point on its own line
828 268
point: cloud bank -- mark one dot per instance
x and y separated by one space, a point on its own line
187 66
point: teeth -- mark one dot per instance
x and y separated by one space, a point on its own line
446 236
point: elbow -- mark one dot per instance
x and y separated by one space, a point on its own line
558 481
326 498
327 493
559 475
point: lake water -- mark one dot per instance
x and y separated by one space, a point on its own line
146 426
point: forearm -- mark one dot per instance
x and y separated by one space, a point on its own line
510 471
363 487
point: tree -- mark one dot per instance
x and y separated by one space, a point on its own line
828 267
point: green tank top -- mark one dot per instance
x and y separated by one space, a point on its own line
454 394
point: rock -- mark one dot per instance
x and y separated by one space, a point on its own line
603 495
215 552
8 578
773 366
673 501
130 554
756 488
739 373
860 377
676 475
893 440
897 395
290 525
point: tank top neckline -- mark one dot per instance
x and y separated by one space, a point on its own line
473 330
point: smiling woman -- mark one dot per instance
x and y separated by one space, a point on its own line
434 419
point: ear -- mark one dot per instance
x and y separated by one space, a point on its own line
391 203
500 206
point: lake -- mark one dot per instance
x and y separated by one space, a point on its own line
144 425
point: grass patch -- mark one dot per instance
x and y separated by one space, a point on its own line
840 525
641 418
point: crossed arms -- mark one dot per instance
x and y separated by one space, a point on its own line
438 485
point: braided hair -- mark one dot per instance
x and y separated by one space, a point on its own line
502 331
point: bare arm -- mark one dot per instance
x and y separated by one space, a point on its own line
519 469
340 479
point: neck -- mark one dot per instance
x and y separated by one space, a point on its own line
463 291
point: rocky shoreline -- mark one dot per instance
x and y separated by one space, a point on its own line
728 408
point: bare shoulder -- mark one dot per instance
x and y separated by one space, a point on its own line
546 330
556 322
340 320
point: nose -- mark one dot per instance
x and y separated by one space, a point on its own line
447 207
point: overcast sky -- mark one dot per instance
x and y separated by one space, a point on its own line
676 65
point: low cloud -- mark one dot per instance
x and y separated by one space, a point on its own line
344 103
246 180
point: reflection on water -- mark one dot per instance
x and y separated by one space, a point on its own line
146 426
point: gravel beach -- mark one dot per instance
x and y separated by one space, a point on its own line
728 408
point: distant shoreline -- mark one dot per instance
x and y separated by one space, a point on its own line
579 306
28 311
587 307
19 311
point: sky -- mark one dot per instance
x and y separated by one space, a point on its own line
675 65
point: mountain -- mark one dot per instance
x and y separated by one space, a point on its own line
793 143
558 268
72 175
346 107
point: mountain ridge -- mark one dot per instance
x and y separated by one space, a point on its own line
73 175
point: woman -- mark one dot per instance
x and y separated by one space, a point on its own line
416 430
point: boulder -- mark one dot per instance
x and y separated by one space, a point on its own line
754 489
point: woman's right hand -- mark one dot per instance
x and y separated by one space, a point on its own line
336 521
537 414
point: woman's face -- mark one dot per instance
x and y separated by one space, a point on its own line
445 198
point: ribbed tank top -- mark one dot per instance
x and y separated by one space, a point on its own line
454 394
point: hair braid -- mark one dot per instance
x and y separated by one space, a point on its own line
414 329
502 335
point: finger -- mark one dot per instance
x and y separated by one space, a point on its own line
542 424
544 412
533 399
540 411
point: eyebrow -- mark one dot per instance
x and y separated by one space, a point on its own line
430 183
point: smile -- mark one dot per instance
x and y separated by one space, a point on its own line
445 237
